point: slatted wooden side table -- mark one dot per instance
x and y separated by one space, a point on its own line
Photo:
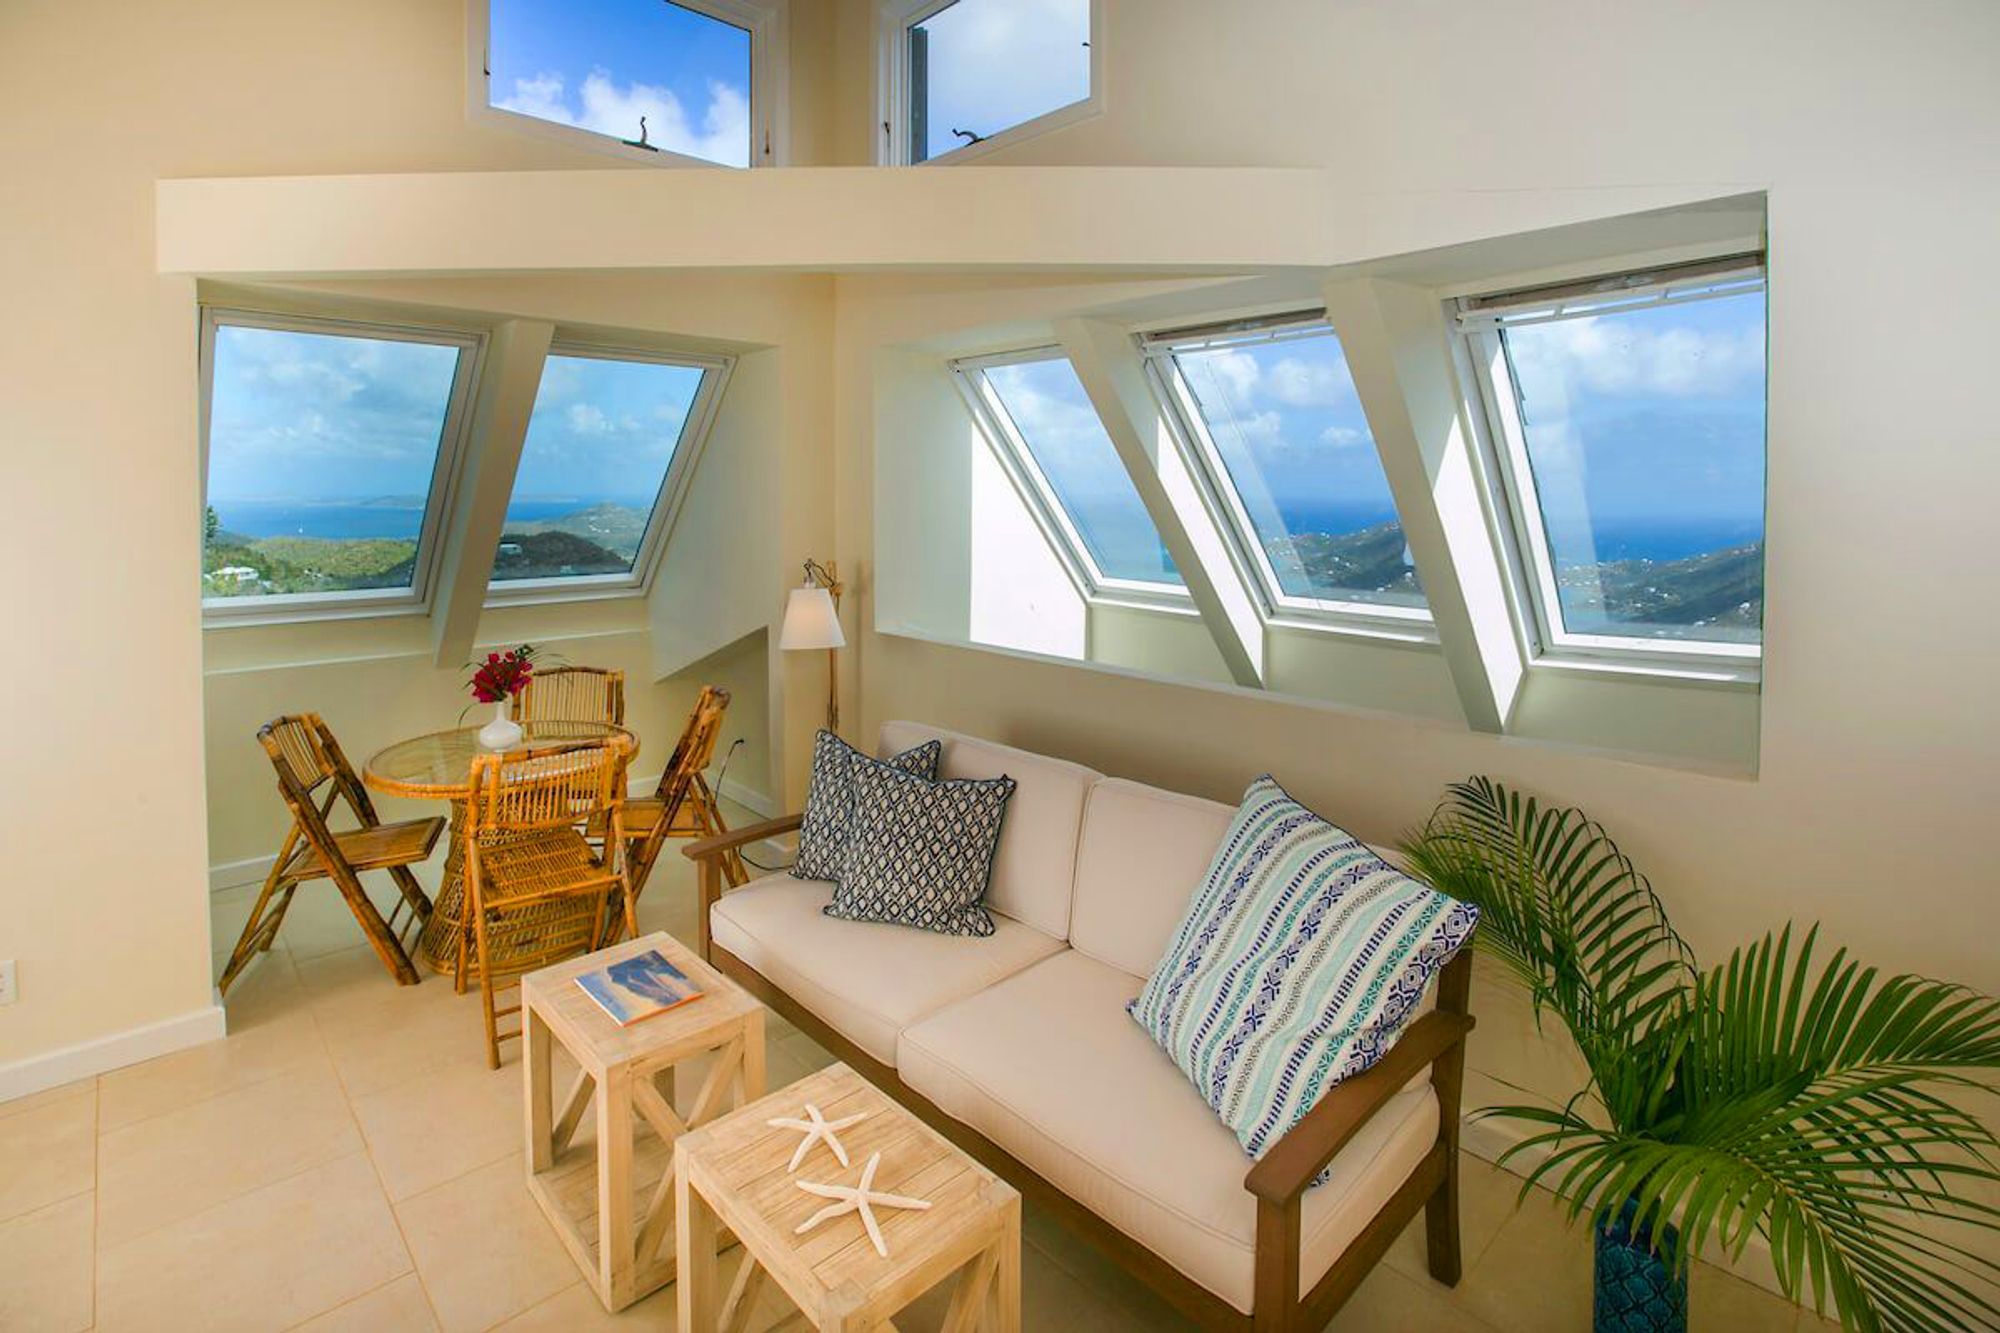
733 1174
612 1201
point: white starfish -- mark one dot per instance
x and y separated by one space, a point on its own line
860 1199
816 1128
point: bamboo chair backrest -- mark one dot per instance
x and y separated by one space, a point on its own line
695 750
574 694
691 756
306 756
550 787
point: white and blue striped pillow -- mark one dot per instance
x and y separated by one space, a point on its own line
1301 957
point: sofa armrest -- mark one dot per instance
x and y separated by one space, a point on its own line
1282 1174
704 848
714 856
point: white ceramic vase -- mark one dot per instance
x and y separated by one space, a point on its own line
503 732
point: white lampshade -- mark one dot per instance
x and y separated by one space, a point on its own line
811 621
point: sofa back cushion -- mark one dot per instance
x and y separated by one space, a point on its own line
1036 863
1143 852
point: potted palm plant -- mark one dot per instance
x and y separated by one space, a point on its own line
1818 1104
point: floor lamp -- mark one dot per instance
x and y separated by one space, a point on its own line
812 620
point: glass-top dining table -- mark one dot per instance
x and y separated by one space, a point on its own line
438 767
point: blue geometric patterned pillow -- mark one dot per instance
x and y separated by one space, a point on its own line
1300 959
829 815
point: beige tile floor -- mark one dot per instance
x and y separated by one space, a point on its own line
345 1160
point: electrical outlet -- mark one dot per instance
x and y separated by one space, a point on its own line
7 992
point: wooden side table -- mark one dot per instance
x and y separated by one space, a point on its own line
612 1202
732 1174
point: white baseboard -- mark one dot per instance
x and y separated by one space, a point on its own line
230 874
38 1073
750 798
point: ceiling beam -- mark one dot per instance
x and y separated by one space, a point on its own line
1114 375
1399 353
509 378
1149 219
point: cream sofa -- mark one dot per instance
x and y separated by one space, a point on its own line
1019 1047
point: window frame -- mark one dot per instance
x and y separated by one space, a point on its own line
767 22
440 502
1017 460
1182 412
1493 406
667 500
893 23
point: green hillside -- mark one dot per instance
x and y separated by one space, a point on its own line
1320 564
1716 595
303 564
553 554
614 527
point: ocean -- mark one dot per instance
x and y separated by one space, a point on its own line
346 520
1116 527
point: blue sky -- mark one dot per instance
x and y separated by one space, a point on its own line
1289 426
603 430
311 416
601 64
1645 428
1055 418
996 63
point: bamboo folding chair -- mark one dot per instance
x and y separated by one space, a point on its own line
682 805
573 694
537 890
307 757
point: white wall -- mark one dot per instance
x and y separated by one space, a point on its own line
98 444
1874 131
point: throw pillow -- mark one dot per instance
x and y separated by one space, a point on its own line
830 800
922 852
1300 959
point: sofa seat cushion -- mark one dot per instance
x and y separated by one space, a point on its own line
866 981
1106 1117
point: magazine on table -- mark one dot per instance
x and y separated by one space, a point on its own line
640 987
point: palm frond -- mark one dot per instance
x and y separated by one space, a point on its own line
1819 1105
1809 1109
1564 910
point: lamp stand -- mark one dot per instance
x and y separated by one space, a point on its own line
826 577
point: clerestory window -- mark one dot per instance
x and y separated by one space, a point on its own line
1035 412
329 450
1269 413
1627 416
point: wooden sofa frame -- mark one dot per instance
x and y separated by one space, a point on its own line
1278 1180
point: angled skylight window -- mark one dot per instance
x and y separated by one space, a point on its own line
610 443
1628 415
654 76
1271 411
1049 435
968 70
329 450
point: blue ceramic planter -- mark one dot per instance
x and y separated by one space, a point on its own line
1638 1289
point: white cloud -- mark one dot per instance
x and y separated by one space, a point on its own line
609 108
1235 373
588 419
1612 356
1319 383
1343 437
996 64
1260 427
